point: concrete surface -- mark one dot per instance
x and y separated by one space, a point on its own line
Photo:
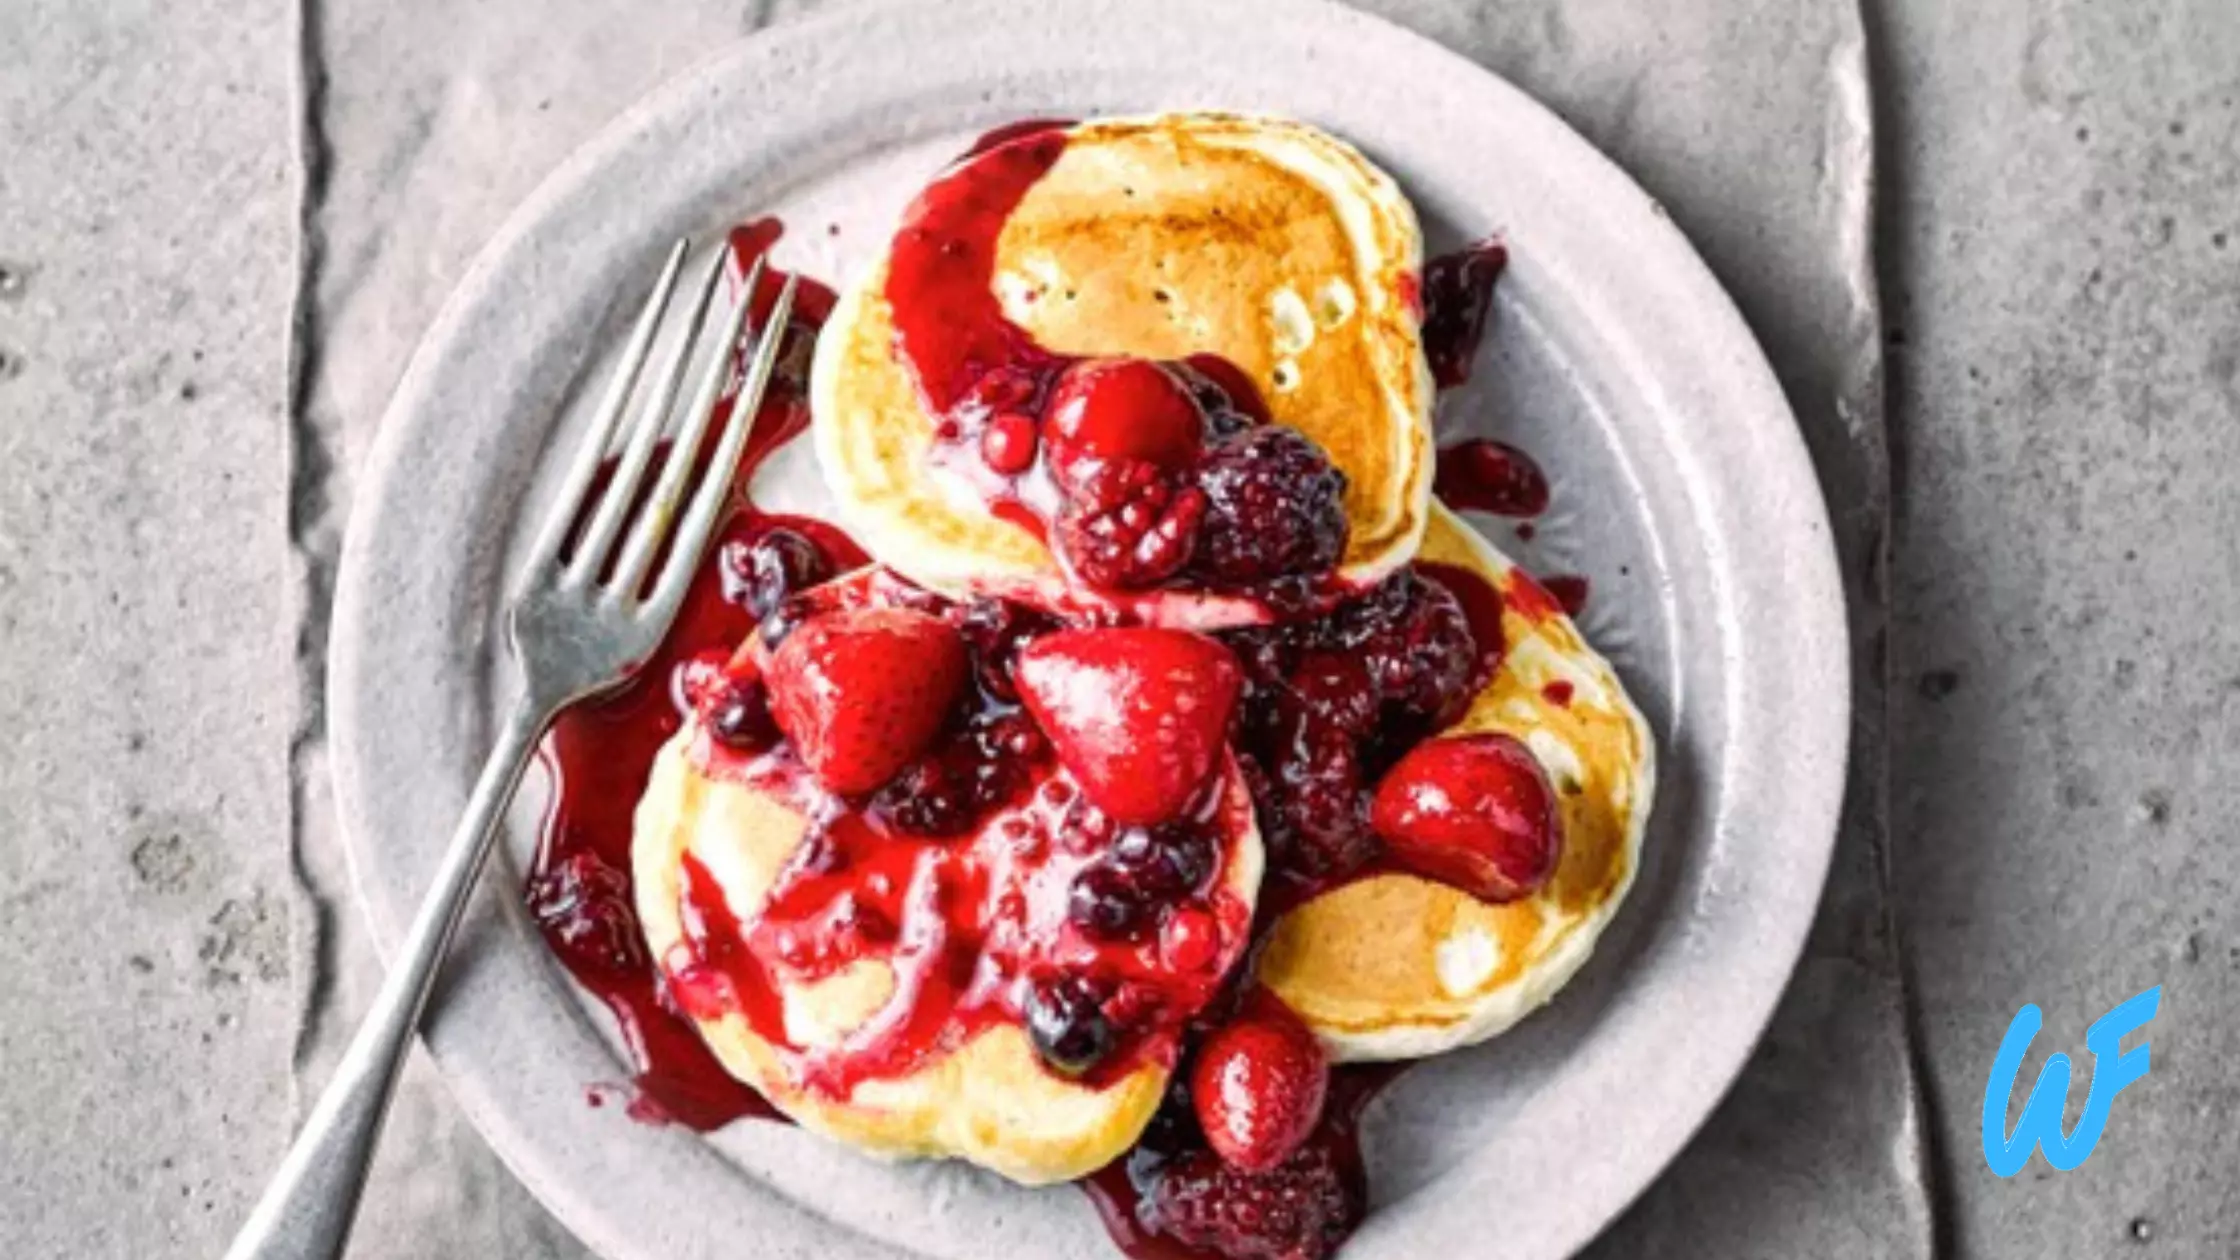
148 966
2061 266
2062 242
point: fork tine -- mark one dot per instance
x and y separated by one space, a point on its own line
588 457
645 433
707 500
661 508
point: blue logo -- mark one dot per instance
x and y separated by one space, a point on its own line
2113 1067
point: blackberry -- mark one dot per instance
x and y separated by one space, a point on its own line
1274 508
1164 863
1302 1209
995 630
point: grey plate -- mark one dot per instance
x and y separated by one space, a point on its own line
1682 490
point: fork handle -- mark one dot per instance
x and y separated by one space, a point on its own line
306 1211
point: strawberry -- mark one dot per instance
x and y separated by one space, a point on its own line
1139 717
862 692
1475 812
1258 1086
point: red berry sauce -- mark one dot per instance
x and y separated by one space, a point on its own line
971 927
1483 475
1457 295
1016 896
598 753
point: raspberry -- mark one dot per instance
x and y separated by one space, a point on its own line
1274 508
1128 526
1300 1210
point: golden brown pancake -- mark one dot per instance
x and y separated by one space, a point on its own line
1395 966
988 1099
1262 240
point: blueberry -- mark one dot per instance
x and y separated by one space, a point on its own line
760 575
739 716
1105 903
1066 1022
1163 863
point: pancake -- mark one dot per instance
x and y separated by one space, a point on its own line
1395 966
1264 241
714 846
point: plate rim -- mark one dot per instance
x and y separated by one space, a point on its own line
1818 595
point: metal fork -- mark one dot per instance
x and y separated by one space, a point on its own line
577 624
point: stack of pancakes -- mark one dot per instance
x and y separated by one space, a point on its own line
1285 251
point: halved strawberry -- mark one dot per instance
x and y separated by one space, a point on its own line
1139 717
1475 812
1258 1086
862 692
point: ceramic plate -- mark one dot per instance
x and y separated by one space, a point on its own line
1681 489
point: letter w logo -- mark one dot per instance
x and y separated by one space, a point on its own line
2040 1125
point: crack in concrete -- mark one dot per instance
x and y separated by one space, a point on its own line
313 540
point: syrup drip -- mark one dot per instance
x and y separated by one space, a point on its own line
598 753
1570 591
1479 473
949 328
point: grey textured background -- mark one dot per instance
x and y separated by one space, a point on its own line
2057 248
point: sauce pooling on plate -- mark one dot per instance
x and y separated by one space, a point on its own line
597 755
